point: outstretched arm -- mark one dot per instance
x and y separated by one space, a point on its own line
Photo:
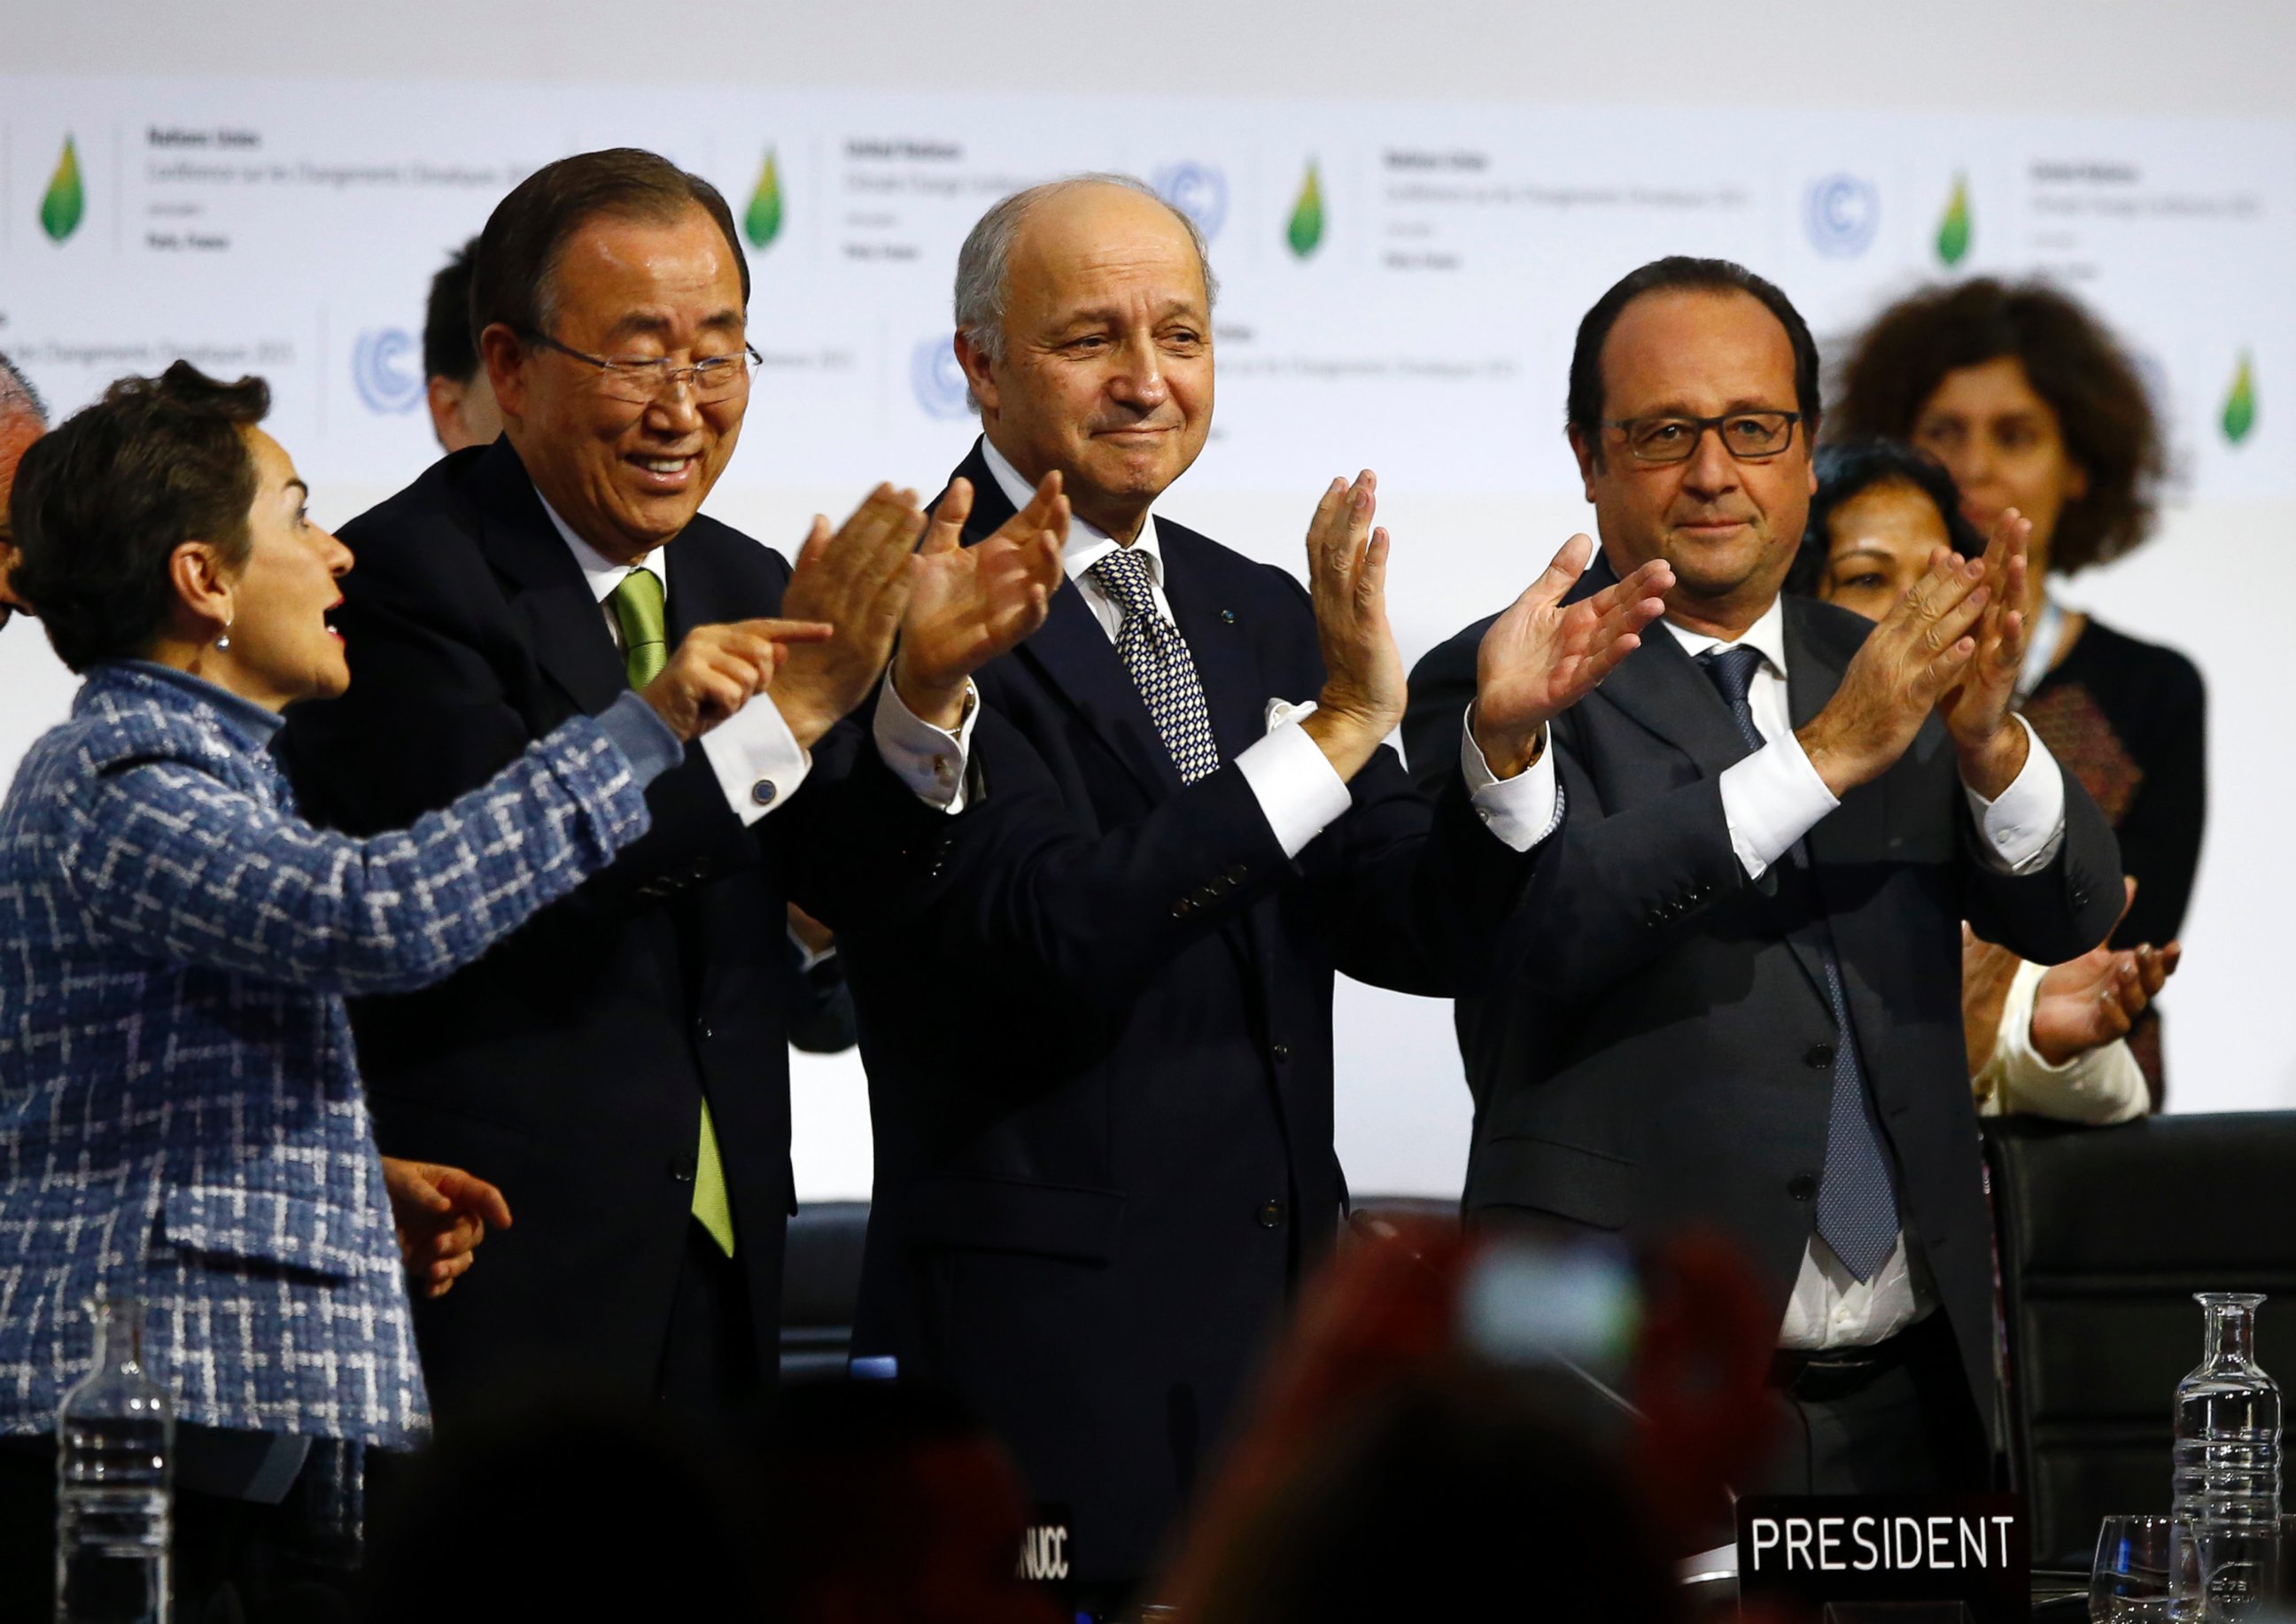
163 858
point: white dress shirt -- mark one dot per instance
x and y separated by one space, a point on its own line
758 761
1770 800
1298 790
2099 1087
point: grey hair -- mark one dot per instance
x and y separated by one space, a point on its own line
18 395
984 263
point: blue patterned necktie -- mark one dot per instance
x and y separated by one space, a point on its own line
1856 1207
1161 667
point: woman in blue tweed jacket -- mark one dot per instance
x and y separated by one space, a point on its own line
180 1109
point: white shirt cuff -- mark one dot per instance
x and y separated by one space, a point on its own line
1771 799
930 761
1299 791
1522 810
759 761
2101 1087
2024 829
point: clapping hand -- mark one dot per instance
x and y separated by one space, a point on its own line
1976 712
441 1214
2088 1002
969 604
1919 653
858 580
1365 689
1543 656
718 669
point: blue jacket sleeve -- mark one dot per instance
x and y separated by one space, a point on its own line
167 860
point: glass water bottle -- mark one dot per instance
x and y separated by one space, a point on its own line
2227 1457
115 1456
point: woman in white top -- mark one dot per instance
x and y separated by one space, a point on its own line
2043 1041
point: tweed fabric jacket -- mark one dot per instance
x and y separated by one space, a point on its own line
180 1109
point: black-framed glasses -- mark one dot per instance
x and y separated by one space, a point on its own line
1744 435
642 379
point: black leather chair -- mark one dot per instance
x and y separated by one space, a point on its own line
2104 1233
821 1282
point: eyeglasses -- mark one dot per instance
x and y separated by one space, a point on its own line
642 379
1675 439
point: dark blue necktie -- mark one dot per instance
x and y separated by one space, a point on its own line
1856 1207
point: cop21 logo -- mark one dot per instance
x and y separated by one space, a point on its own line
1841 212
942 393
1197 190
64 204
387 370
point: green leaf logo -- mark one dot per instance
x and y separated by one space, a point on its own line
763 223
65 202
1305 230
2240 404
1952 231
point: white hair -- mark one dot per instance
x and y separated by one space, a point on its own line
984 263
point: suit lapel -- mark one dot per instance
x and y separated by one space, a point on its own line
1814 668
564 625
1664 691
703 591
1662 688
1219 640
1076 659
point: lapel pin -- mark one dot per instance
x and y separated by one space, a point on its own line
1228 615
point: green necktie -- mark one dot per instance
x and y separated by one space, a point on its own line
637 606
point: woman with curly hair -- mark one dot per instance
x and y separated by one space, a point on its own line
2030 402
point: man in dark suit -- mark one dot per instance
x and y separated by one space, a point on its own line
1739 1003
1101 1066
618 1067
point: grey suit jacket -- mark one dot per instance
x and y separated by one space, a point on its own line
1659 1054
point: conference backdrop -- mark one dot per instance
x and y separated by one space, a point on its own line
1398 287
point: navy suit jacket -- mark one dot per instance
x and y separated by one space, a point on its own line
1660 1051
1100 1070
569 1065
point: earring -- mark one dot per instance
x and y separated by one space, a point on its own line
223 641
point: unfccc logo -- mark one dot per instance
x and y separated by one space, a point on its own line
387 369
1841 212
937 380
1198 191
